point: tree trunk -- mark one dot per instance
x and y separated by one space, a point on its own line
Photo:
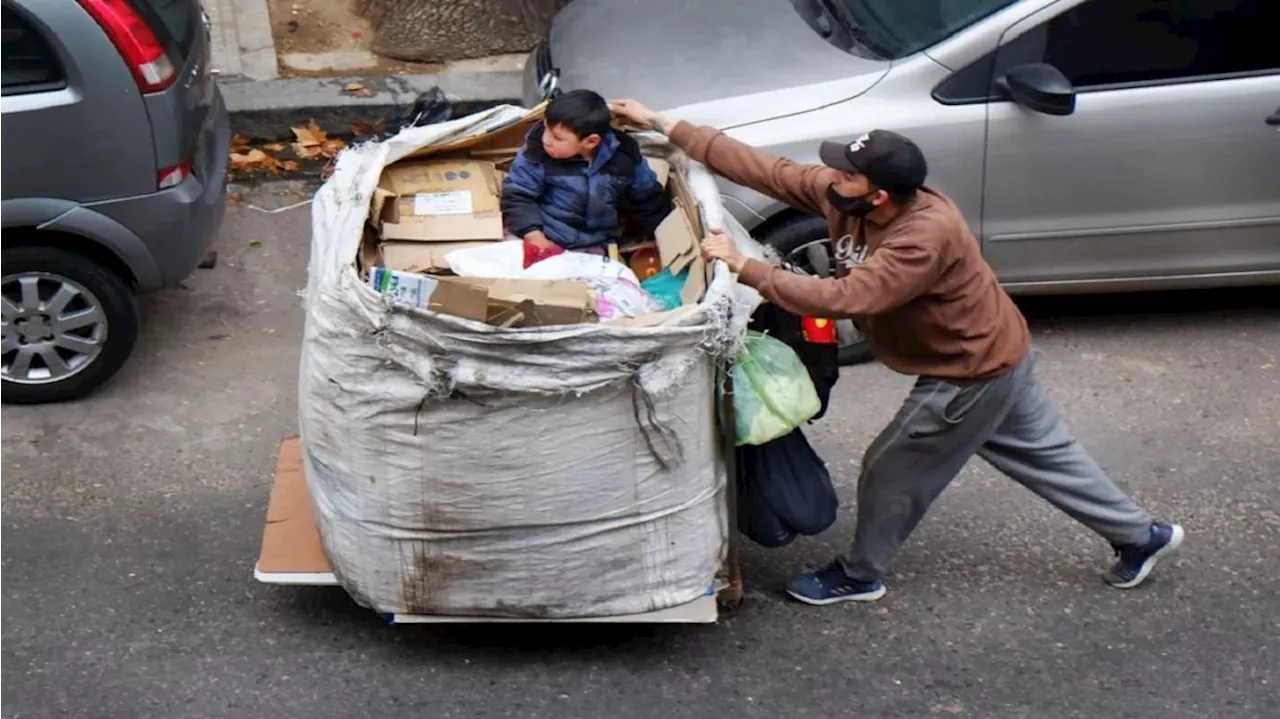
440 30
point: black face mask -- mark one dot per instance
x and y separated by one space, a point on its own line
852 206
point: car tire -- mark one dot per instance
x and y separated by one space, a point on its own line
92 335
789 239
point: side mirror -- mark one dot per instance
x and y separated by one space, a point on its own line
1040 87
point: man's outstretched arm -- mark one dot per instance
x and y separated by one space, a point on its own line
801 186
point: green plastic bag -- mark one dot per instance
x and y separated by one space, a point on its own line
772 391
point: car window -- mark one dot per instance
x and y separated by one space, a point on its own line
29 63
1109 42
175 23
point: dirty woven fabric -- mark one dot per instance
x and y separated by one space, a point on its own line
575 203
1008 421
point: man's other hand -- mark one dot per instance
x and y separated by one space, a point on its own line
718 246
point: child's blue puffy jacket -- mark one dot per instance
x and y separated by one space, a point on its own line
574 203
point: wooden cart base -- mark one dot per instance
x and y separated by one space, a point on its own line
292 554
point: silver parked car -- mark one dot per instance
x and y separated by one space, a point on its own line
1094 145
115 155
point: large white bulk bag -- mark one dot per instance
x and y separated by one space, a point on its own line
459 468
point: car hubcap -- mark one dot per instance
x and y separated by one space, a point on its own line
815 258
53 328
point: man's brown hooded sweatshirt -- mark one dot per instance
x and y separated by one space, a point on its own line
918 286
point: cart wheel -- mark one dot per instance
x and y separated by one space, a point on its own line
729 600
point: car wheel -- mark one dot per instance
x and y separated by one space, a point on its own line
69 325
805 243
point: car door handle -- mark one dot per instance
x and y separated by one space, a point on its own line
1274 119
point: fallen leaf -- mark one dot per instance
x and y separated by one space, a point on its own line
332 147
253 157
355 89
367 127
310 136
289 166
255 244
306 152
239 144
274 147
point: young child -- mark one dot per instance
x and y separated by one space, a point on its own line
567 182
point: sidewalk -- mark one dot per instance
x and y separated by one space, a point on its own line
264 105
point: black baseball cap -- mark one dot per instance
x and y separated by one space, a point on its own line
889 161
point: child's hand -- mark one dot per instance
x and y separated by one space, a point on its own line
540 241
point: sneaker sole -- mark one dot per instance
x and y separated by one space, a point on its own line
865 597
1174 542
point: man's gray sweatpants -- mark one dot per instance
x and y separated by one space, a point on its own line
1008 421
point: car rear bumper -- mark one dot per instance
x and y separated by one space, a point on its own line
177 225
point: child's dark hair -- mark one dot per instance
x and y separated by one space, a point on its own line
582 111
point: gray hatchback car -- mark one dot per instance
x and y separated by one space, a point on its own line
116 141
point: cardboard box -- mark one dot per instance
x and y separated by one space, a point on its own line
429 293
425 257
439 201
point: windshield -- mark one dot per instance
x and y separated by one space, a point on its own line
897 28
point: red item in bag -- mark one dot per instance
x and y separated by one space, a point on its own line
533 253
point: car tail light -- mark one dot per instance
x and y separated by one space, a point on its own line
818 330
173 176
135 41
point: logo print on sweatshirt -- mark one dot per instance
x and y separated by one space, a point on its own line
848 255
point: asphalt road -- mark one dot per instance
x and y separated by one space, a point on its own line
131 522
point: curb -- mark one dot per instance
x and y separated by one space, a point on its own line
267 109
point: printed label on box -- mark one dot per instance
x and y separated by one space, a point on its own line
442 203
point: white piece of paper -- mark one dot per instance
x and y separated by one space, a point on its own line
442 203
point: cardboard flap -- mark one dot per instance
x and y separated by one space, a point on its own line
677 243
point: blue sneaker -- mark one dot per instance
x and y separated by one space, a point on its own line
1137 561
831 585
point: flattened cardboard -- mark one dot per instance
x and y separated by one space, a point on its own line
677 242
427 257
683 195
426 204
466 301
424 292
696 285
291 539
554 302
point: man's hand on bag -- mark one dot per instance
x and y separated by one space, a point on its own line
719 246
635 114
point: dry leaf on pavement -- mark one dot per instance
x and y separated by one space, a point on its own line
355 89
253 159
310 136
239 144
274 147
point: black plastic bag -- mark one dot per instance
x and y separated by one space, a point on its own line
429 108
784 489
